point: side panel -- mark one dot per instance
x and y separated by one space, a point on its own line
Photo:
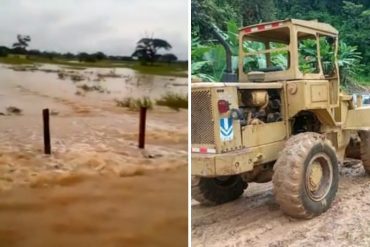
227 131
307 95
256 135
212 165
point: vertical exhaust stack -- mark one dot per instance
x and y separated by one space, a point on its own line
228 75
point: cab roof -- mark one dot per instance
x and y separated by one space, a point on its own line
312 24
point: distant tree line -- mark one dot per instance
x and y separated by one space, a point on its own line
351 18
146 51
82 56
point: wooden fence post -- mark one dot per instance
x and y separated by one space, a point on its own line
142 127
47 145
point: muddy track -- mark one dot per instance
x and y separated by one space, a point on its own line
256 220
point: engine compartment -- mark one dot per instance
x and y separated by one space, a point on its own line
259 106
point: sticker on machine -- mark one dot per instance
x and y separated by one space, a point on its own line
226 129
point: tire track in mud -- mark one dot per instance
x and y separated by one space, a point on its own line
256 220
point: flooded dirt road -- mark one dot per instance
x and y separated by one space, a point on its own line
97 188
256 220
147 210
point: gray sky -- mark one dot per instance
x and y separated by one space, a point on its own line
111 26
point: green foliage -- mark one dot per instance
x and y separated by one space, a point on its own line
218 12
147 48
208 60
349 61
22 43
307 59
4 52
350 17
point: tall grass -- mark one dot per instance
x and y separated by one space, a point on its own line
173 101
134 104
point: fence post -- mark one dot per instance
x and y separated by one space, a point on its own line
142 127
47 145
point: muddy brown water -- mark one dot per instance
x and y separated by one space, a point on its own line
97 188
146 210
126 83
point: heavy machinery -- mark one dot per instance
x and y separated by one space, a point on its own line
285 119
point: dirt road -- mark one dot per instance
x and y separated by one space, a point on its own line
255 218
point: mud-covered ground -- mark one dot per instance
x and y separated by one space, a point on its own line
256 220
97 188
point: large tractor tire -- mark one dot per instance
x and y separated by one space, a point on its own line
306 176
218 190
365 149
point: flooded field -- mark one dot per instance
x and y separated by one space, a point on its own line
89 191
95 86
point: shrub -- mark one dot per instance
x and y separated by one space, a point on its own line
173 101
135 104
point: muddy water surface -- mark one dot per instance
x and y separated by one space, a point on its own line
97 188
147 210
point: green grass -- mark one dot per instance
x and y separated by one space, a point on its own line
173 101
178 70
175 69
363 80
15 60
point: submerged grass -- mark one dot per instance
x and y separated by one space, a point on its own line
74 68
174 69
88 88
173 101
13 110
134 104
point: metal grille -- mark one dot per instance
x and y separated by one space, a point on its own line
202 129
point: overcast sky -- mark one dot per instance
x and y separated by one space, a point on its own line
111 26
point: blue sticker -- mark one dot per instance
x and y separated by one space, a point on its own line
226 129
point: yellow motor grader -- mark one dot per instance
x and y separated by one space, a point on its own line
282 118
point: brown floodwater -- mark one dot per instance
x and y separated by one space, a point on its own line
124 83
145 210
97 188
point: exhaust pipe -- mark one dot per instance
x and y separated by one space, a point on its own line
228 75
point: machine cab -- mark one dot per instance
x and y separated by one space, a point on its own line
288 50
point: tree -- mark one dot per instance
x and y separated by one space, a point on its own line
147 48
22 44
99 55
4 51
168 58
68 55
85 57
